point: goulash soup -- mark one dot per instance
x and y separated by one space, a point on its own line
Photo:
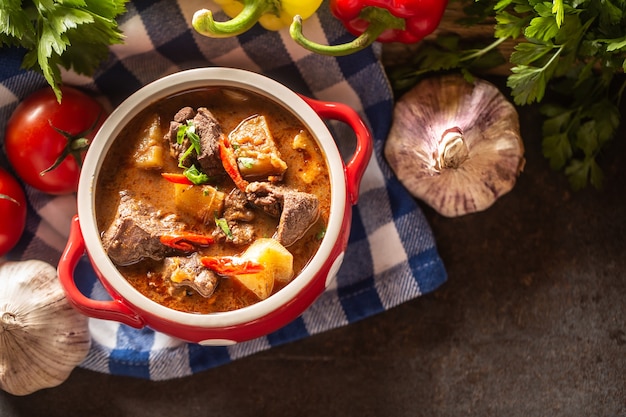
212 199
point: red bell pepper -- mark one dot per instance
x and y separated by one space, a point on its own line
406 21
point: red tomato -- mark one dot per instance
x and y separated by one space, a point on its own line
13 209
43 132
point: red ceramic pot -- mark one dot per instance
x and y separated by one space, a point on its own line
130 307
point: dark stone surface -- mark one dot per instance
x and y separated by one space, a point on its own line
532 322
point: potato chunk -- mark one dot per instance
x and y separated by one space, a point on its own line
277 264
149 152
256 152
203 202
314 165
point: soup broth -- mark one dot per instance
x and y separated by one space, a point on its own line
188 246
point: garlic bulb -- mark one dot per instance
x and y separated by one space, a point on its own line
42 337
455 145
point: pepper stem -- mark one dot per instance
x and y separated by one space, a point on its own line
204 23
453 150
379 20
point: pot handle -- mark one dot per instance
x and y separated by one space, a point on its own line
114 310
355 167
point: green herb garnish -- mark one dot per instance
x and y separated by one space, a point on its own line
196 176
61 33
223 224
192 172
246 162
188 131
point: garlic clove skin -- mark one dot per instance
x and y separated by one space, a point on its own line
455 145
42 337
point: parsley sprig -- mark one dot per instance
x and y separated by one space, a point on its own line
573 51
192 173
73 34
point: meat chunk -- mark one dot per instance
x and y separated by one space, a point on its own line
134 234
184 114
208 130
238 215
177 149
189 272
241 233
298 210
266 196
236 207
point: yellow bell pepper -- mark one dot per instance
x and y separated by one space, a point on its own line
271 14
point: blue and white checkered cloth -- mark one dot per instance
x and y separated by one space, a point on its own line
391 256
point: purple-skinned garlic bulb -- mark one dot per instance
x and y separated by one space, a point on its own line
455 145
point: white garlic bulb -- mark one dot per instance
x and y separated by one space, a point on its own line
455 145
42 337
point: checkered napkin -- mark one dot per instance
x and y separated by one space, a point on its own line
391 256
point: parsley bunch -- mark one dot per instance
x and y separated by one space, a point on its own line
575 50
74 34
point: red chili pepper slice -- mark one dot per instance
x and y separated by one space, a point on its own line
229 161
231 265
176 178
186 241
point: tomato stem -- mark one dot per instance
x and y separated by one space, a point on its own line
76 145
